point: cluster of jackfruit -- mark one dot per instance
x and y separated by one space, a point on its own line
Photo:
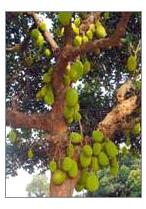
96 29
46 92
39 39
71 109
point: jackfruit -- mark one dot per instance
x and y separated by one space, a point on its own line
12 136
131 63
103 159
43 91
64 17
40 41
30 154
75 29
84 160
85 39
92 28
47 78
86 67
70 120
137 129
111 149
71 97
70 150
77 40
76 116
43 26
68 112
67 163
58 177
38 95
76 107
77 21
96 148
114 170
49 97
97 136
76 71
52 166
47 52
94 164
92 183
100 30
75 137
35 33
87 150
89 34
73 172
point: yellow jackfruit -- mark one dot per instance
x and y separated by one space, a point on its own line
85 39
76 71
97 136
43 26
67 163
103 159
131 63
87 150
70 150
52 166
84 160
111 149
92 183
96 148
77 21
71 97
40 41
94 164
76 116
47 52
77 40
73 172
75 137
89 34
35 33
100 30
75 29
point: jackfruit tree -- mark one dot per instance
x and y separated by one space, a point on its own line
73 87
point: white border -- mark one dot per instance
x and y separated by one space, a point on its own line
76 5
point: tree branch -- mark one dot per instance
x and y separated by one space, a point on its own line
47 34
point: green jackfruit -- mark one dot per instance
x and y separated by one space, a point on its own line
77 40
47 52
35 33
97 136
47 78
86 67
94 164
75 29
44 91
96 148
76 71
67 164
30 154
68 112
137 129
70 150
43 26
64 17
76 116
52 166
103 159
111 149
92 183
73 172
77 21
49 97
12 136
89 34
40 41
84 160
100 30
76 107
83 177
75 137
92 28
71 97
85 39
58 177
87 150
131 63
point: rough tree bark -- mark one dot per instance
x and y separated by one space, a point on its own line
54 123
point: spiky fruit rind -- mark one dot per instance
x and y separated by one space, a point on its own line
100 30
84 160
12 136
76 107
52 166
68 112
70 150
35 33
97 136
111 149
85 39
58 177
71 97
103 159
94 164
87 150
86 67
43 91
83 177
67 164
47 52
77 40
92 183
75 137
76 116
137 129
76 71
64 17
49 97
30 154
43 26
73 172
96 148
131 63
